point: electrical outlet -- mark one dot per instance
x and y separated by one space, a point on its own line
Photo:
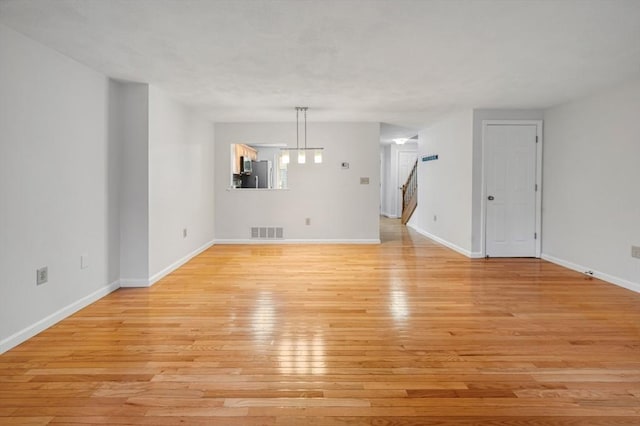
635 252
184 233
84 261
307 221
42 275
435 218
364 181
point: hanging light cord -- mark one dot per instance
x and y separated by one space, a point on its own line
297 128
304 110
304 147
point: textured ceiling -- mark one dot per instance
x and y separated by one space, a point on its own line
401 62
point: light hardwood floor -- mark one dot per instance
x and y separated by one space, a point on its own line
402 333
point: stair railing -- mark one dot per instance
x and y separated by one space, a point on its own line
410 194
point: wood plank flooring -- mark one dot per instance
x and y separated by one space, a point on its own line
402 333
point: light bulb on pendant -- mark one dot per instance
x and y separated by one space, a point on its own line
285 157
301 157
317 156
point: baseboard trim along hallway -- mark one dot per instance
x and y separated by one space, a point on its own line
405 332
594 273
32 330
259 241
446 243
140 282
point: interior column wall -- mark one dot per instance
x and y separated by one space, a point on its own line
131 102
181 183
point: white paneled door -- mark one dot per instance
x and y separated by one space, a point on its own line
510 190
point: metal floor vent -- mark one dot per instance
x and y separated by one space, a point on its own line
267 233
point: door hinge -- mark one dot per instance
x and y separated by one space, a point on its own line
535 235
536 187
536 138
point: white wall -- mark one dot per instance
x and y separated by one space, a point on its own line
478 116
340 208
89 166
58 187
131 110
591 202
181 183
445 185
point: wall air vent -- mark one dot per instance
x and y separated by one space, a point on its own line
267 233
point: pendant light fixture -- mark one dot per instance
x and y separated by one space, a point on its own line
301 152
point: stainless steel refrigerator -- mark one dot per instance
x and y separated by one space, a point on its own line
260 176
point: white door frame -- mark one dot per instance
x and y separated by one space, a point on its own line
483 209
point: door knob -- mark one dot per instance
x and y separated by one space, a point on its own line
490 198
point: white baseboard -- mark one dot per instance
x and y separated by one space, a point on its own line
390 216
141 282
134 282
445 243
596 274
299 241
32 330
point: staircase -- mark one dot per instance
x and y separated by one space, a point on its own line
410 194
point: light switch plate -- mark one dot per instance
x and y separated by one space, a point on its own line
84 261
635 252
364 181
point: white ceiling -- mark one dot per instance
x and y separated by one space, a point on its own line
400 62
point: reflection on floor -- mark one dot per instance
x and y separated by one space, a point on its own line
402 333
